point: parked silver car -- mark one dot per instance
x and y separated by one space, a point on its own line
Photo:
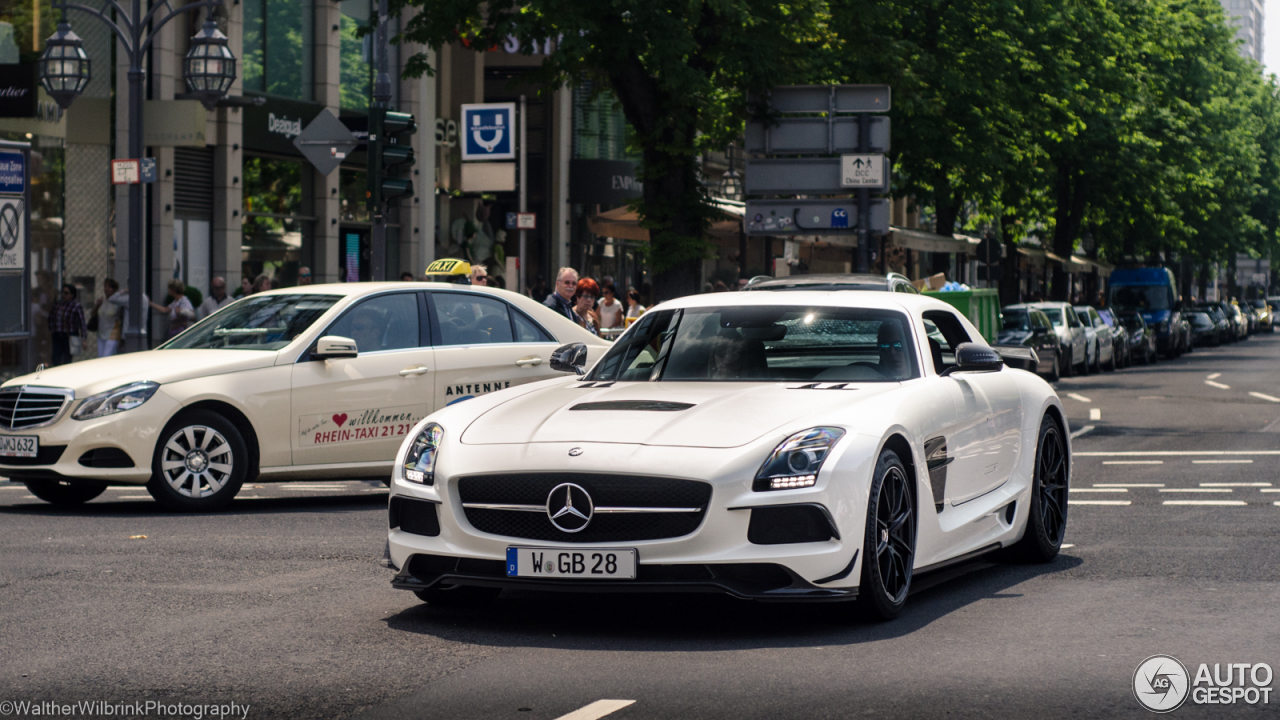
1100 338
1071 335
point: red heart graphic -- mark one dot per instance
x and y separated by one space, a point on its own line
340 418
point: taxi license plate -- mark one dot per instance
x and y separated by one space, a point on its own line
19 446
587 563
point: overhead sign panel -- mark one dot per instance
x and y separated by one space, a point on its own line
815 136
812 217
819 98
488 131
326 142
803 176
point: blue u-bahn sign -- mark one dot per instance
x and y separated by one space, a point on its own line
488 131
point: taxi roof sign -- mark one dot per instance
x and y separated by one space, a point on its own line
449 266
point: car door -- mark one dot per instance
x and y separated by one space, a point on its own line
356 410
1106 341
483 344
984 441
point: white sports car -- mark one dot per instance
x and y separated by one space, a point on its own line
777 446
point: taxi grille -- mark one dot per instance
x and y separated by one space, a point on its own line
687 499
24 407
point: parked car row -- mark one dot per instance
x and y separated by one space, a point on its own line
1079 339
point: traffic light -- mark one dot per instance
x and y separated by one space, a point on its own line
390 157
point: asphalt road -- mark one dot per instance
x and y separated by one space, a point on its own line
280 603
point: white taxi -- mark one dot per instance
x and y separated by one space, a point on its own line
299 383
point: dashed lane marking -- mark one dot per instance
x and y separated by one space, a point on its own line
1240 484
1218 385
1081 431
1265 397
596 710
1196 490
1205 502
1099 490
1174 453
1215 376
1270 490
1132 462
1221 462
1101 502
1095 414
1078 396
1128 485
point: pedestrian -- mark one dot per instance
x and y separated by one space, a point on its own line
719 287
584 303
261 284
304 275
406 276
246 287
561 298
634 308
179 309
610 311
217 299
66 326
110 319
479 275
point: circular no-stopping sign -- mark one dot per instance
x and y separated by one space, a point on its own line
10 223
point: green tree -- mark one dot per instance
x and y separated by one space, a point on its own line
681 70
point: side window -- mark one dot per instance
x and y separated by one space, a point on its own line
944 333
384 322
1072 320
1039 320
470 319
527 331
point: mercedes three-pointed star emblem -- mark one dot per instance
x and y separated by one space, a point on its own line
569 507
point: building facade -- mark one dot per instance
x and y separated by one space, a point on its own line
1247 16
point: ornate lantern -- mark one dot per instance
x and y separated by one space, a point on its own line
64 66
210 67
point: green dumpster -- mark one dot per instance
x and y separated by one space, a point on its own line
981 306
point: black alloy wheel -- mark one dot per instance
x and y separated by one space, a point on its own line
1047 514
889 547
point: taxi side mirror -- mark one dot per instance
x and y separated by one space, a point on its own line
333 347
570 358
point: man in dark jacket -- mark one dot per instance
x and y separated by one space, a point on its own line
561 299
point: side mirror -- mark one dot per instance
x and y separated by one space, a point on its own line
972 357
570 358
333 347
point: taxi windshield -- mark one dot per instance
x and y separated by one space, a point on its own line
262 322
763 344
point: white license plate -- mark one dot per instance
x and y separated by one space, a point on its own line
587 563
19 446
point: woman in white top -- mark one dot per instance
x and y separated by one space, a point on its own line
609 309
110 319
181 313
634 308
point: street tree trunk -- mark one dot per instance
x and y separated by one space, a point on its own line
1072 199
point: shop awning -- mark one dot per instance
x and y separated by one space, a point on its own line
930 242
622 223
1074 264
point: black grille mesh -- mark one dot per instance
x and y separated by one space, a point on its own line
605 491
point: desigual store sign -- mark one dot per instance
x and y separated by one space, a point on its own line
272 126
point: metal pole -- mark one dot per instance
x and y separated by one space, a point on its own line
864 199
136 338
381 99
524 197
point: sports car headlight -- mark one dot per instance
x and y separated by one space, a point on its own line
420 461
796 462
120 399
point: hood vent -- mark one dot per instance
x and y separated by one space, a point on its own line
647 405
825 386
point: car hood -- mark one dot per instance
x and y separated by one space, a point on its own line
677 414
162 366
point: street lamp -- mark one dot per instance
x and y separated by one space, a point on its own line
210 69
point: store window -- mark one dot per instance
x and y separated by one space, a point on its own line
351 193
356 53
278 53
278 236
600 129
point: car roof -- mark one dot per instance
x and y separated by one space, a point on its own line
870 299
827 279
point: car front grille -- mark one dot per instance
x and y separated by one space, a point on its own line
29 407
627 508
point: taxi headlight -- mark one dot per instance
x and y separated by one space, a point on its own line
420 461
796 462
126 397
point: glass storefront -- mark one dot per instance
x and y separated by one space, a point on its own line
278 58
278 234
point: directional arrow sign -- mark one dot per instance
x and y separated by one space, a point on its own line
326 142
807 176
863 171
812 217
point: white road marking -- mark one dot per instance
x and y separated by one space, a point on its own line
1197 490
1265 397
1078 396
1175 453
1218 385
1270 490
1128 485
1215 376
1095 414
1205 502
1064 547
1257 485
28 497
1099 490
135 497
1081 431
1150 397
313 489
1221 462
1132 462
596 710
14 487
1101 502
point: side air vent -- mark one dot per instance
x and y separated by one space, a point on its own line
645 405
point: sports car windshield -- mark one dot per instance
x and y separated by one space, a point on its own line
267 322
763 344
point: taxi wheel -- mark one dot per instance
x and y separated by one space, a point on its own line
199 464
456 596
65 493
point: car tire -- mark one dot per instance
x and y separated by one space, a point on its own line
1096 366
200 462
1067 367
1056 373
66 493
1112 364
891 519
1047 501
456 596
